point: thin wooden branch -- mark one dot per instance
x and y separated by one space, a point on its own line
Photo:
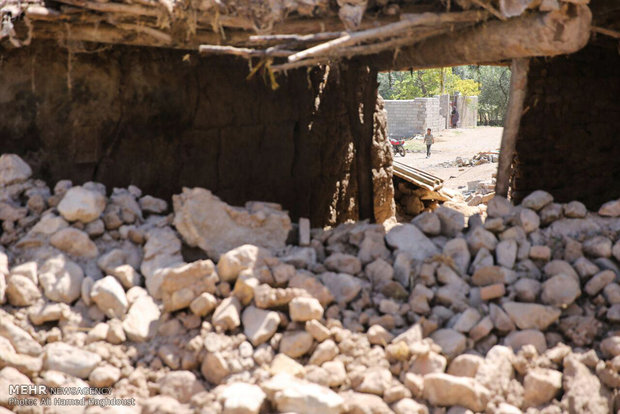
132 9
518 89
606 32
297 38
154 33
389 30
243 52
104 32
362 50
283 67
489 8
41 12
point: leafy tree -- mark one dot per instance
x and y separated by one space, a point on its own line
495 91
424 84
490 83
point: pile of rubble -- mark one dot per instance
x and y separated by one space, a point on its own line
478 159
479 191
206 309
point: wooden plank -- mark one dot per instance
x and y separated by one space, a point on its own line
518 89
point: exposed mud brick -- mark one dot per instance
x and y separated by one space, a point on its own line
149 117
565 141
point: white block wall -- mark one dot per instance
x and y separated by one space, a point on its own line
407 118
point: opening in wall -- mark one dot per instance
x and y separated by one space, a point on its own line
445 127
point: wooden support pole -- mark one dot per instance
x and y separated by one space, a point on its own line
518 89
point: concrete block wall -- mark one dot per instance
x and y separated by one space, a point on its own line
402 117
407 118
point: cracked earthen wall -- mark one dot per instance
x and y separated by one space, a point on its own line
568 141
152 118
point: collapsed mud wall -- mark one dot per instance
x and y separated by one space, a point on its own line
568 138
162 119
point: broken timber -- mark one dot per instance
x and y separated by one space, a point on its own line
417 176
518 88
534 34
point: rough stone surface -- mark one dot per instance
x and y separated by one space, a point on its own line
207 222
226 315
61 279
408 238
13 170
240 258
142 319
274 330
537 200
540 386
293 395
304 309
560 290
296 343
21 291
448 390
81 204
110 297
531 316
65 358
241 398
75 243
344 287
259 325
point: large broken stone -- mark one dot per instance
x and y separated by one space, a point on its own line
20 339
110 297
408 238
531 315
447 390
65 358
583 392
75 243
540 386
142 319
182 284
13 169
21 291
81 204
344 287
216 227
162 250
61 279
241 398
290 394
23 363
259 325
240 258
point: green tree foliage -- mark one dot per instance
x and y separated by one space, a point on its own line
490 83
425 83
495 91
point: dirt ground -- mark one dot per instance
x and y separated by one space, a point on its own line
452 143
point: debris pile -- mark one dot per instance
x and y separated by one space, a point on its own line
478 159
479 191
412 200
518 313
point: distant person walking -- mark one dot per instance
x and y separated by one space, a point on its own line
454 117
428 140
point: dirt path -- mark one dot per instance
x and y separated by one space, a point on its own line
453 143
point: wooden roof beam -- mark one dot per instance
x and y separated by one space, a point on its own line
537 34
